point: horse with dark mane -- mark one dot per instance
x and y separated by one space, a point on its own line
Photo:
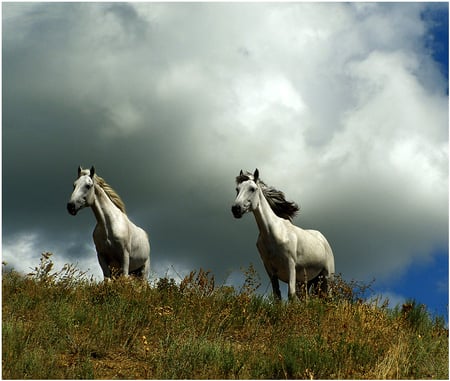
289 253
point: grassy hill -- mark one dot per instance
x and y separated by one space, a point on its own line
64 325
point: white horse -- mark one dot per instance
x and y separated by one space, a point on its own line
289 253
121 245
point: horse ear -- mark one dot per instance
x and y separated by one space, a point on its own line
79 170
256 175
92 172
241 173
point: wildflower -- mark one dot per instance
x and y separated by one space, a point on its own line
145 342
164 311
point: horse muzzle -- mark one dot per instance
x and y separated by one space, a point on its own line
71 208
237 211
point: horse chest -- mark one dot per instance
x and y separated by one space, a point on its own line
275 251
276 260
107 239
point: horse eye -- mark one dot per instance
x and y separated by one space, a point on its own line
88 186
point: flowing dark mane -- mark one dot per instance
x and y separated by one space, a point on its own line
276 199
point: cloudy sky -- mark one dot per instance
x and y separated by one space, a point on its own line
344 107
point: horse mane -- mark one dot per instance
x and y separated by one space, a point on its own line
276 199
110 192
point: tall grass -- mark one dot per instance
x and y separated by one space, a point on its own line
65 325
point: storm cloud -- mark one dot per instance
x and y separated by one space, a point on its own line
341 106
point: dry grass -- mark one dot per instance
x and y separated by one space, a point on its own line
64 325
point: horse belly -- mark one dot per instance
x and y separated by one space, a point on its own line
137 263
305 274
302 273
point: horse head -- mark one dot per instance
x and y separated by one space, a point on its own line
83 194
247 198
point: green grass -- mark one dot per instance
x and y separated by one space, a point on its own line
65 325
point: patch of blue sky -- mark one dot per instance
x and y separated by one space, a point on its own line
436 17
425 282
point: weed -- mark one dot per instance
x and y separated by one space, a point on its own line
63 325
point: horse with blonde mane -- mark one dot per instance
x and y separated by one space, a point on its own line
289 253
122 247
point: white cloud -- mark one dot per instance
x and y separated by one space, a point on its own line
22 252
19 252
391 298
167 269
260 97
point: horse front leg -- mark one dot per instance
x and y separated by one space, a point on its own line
272 274
292 281
105 266
275 282
275 286
126 263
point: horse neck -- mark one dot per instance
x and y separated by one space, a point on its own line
103 208
265 217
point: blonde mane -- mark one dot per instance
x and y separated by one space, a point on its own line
111 193
122 247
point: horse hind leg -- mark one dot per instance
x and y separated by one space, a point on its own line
143 271
301 290
146 269
138 273
320 285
